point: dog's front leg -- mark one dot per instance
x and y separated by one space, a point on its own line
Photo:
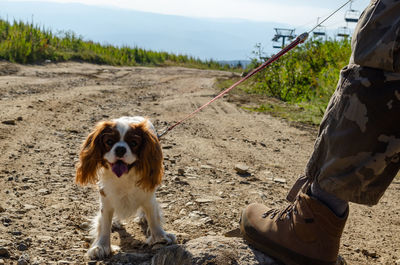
153 217
101 231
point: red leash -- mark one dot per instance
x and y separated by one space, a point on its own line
300 39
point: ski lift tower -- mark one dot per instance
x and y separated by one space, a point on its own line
282 34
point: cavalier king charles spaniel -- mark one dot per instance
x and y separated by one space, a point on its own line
124 157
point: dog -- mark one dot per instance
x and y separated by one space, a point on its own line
124 157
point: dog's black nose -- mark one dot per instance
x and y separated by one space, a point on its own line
120 151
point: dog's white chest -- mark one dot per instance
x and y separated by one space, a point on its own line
122 194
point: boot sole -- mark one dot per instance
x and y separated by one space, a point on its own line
280 253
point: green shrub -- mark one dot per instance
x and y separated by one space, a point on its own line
309 72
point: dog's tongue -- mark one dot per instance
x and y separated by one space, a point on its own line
119 168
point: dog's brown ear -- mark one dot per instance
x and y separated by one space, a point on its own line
91 155
150 162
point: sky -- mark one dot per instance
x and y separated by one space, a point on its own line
292 12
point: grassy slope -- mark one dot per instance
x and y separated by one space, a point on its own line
26 43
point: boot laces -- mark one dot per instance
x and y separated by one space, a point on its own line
285 213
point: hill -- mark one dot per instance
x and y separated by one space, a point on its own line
28 43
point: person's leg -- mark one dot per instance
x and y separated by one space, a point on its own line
336 205
356 156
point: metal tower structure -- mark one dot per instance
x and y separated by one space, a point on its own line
281 35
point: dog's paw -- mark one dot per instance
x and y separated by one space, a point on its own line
99 252
165 239
142 222
117 225
171 238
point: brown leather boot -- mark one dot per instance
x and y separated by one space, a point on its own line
306 232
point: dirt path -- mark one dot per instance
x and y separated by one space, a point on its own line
51 108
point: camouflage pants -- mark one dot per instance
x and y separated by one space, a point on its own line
357 151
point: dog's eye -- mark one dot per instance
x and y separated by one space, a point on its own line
133 140
110 142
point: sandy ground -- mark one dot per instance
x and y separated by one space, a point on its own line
47 111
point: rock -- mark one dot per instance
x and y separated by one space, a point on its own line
373 255
175 254
16 233
128 258
22 247
179 181
206 220
206 167
4 252
266 175
340 261
43 192
2 262
212 250
189 204
204 200
6 221
9 122
63 262
23 260
29 207
280 180
2 209
194 218
181 171
43 238
199 218
397 262
242 169
164 205
85 226
4 242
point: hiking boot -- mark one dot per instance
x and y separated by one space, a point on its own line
306 232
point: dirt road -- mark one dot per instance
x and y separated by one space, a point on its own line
47 111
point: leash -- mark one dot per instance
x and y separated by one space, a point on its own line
300 39
330 15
